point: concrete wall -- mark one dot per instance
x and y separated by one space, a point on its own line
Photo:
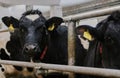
92 21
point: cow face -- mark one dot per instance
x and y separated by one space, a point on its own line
33 33
107 33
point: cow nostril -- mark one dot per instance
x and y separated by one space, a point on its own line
26 49
31 48
35 49
2 69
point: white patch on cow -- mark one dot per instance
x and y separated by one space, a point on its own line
2 74
85 43
11 71
32 17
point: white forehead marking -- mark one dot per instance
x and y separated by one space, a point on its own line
32 17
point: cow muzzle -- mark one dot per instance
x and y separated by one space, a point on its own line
31 49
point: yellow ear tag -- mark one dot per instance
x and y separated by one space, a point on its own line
51 28
11 28
87 35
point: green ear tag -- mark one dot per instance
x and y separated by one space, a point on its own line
11 28
51 28
87 35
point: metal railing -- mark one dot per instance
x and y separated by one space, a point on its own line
75 69
95 13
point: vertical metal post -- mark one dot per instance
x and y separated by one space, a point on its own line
29 7
71 46
55 10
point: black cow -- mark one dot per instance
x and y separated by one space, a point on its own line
41 40
3 56
13 46
104 50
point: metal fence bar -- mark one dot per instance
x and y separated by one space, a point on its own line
71 46
94 13
76 69
2 31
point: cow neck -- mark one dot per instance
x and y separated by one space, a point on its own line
101 52
43 52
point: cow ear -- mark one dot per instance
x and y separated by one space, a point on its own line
86 32
10 22
53 23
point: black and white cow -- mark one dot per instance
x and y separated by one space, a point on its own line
104 48
40 40
3 56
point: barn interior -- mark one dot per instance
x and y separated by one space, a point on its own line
67 9
48 8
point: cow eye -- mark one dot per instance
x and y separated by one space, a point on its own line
109 39
22 30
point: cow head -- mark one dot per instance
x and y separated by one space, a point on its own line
107 33
106 29
33 32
